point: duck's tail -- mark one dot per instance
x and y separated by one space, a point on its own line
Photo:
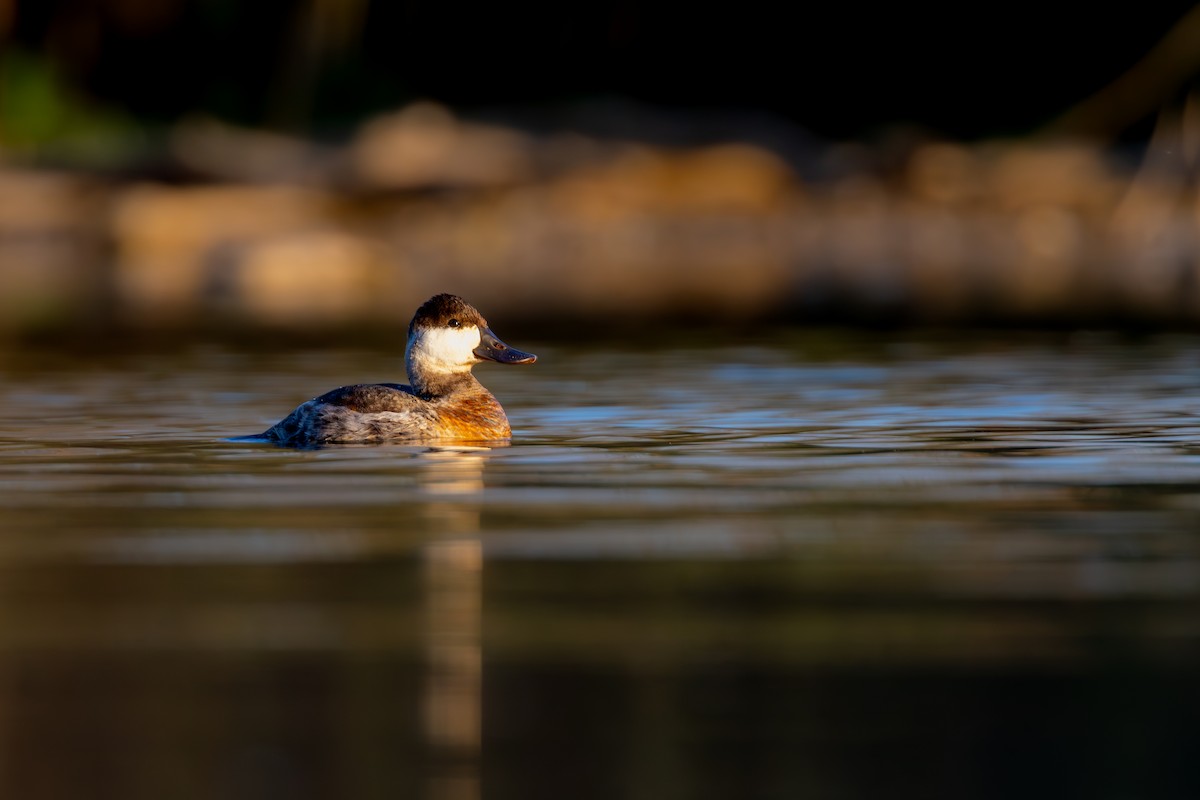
265 436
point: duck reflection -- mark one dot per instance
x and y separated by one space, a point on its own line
452 570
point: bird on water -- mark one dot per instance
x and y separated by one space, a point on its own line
442 400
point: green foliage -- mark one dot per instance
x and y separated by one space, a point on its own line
40 115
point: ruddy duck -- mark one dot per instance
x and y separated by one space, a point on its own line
446 337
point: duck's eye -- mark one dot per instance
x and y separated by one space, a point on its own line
454 323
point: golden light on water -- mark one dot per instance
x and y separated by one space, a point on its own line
452 580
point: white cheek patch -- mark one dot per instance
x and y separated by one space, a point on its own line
447 346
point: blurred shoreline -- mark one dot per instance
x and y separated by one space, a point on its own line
260 233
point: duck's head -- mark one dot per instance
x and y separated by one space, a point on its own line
447 335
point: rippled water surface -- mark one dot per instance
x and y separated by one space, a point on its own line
818 564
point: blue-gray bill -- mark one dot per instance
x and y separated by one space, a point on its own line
491 348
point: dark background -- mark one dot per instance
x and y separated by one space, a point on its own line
839 70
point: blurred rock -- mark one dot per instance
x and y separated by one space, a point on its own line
220 152
946 174
286 234
695 230
425 146
165 238
727 179
52 239
312 278
1063 175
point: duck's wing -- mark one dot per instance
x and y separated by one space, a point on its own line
372 398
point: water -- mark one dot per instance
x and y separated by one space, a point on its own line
812 564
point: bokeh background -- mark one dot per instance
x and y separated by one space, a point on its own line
210 167
795 505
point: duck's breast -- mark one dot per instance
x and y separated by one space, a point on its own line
476 416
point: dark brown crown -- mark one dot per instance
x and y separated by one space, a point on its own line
439 310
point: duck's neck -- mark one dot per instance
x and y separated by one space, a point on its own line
438 383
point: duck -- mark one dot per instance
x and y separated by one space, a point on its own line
443 401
